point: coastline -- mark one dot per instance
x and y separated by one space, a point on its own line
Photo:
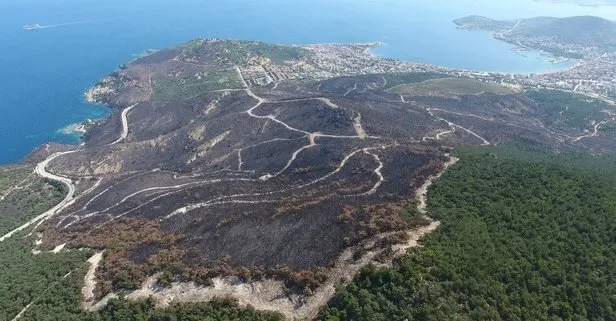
96 93
104 46
92 96
519 48
75 132
78 129
553 59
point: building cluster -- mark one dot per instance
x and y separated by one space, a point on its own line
593 76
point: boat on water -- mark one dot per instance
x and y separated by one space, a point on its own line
32 26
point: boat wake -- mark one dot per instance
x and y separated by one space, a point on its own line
71 23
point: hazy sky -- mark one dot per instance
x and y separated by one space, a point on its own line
511 9
587 2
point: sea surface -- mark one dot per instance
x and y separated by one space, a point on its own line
44 73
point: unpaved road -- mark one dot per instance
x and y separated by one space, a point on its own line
269 295
89 281
41 170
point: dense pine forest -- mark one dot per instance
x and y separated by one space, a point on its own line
525 235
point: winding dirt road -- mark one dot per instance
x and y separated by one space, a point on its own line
89 281
594 133
344 269
453 126
42 171
268 295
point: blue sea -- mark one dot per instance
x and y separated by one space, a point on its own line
44 73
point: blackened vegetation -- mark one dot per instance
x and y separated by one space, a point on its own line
269 181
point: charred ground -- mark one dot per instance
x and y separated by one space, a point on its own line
242 158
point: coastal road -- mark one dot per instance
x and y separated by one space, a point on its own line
42 171
124 125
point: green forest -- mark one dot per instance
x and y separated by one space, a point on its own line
525 235
26 277
49 284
